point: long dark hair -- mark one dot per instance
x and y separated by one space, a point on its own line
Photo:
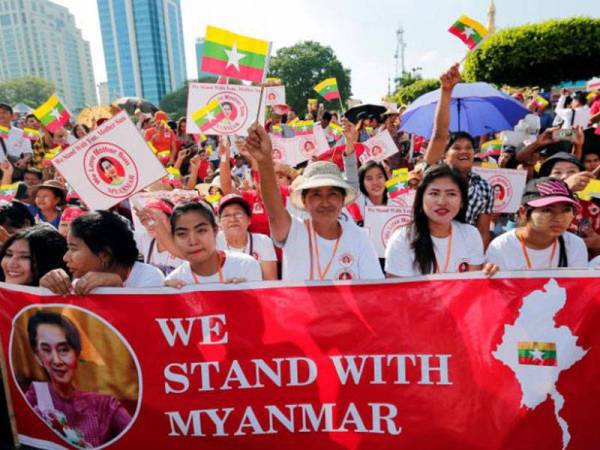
419 233
46 246
362 173
105 231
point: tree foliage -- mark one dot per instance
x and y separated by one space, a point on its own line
175 103
407 94
304 65
32 91
540 54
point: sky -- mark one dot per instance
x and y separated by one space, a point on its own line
361 33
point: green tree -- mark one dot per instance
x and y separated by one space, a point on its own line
407 94
175 103
540 54
304 65
32 91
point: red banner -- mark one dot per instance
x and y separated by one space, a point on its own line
439 363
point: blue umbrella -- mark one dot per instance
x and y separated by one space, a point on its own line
477 108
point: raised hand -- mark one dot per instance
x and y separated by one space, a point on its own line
258 144
450 78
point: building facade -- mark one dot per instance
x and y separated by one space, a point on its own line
39 38
143 47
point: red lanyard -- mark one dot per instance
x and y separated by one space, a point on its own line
312 236
448 253
219 270
526 254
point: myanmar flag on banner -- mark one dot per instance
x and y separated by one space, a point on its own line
31 133
469 31
8 191
53 114
304 127
50 154
277 130
328 89
537 353
396 186
232 55
334 131
208 116
4 132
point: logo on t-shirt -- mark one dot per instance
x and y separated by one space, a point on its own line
255 255
344 275
346 259
258 208
463 267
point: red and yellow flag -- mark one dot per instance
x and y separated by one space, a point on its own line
233 55
53 114
469 31
328 89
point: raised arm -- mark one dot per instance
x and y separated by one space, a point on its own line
441 126
349 155
224 165
544 139
258 145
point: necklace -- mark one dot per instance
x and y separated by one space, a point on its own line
312 237
221 261
448 253
526 253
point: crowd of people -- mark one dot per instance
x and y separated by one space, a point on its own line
255 219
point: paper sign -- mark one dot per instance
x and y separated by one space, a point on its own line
275 95
239 104
508 186
382 221
379 147
109 164
292 151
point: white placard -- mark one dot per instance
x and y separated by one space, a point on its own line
297 149
238 102
382 221
109 164
508 186
379 147
275 95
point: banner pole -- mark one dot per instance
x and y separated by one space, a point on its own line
262 89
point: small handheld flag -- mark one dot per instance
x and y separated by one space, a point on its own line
4 132
232 55
31 133
208 116
396 186
328 89
53 114
471 32
539 102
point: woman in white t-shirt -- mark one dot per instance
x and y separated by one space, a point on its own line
323 246
438 240
101 252
154 212
234 216
541 241
194 230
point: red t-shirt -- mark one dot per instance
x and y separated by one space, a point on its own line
162 141
595 109
259 222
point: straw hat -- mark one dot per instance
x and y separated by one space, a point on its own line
320 174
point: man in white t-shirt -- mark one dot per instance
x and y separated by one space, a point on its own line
15 148
321 247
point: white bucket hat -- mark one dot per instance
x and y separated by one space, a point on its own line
320 174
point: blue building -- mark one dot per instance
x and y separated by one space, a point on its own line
143 47
199 53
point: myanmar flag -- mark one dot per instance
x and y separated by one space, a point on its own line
328 89
537 353
8 191
469 31
491 148
334 131
539 102
396 186
232 55
277 130
53 114
304 127
4 132
208 116
31 133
